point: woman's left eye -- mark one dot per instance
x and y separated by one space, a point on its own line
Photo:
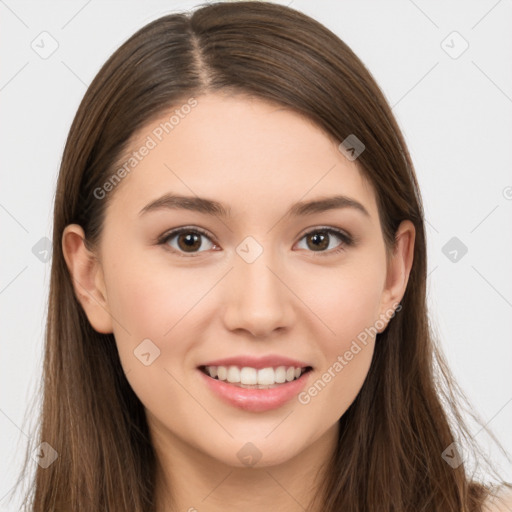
321 238
188 240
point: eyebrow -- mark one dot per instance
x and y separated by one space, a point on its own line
210 207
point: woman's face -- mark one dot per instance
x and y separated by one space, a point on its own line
253 278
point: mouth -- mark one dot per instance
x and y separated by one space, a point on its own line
255 378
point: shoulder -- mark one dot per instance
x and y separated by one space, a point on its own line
501 502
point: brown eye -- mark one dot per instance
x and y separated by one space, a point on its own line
188 241
319 240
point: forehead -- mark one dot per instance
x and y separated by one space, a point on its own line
245 152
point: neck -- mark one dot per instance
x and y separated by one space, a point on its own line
190 480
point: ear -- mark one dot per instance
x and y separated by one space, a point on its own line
398 270
87 277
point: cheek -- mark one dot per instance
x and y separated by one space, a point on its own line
346 360
151 303
157 304
347 374
348 304
147 300
346 300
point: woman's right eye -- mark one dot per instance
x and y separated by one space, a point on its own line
187 240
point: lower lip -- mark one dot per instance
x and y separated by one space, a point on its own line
256 400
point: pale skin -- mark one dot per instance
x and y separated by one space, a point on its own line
257 159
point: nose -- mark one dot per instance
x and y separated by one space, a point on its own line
258 298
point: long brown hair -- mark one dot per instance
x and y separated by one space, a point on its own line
392 437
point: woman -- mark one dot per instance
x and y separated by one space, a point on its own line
237 313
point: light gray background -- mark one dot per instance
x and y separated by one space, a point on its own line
456 118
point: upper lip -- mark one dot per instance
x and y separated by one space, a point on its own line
257 362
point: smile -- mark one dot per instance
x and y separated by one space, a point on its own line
270 394
255 378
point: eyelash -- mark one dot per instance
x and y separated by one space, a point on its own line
346 240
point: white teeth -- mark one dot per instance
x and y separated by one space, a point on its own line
266 376
280 376
248 376
233 374
222 372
